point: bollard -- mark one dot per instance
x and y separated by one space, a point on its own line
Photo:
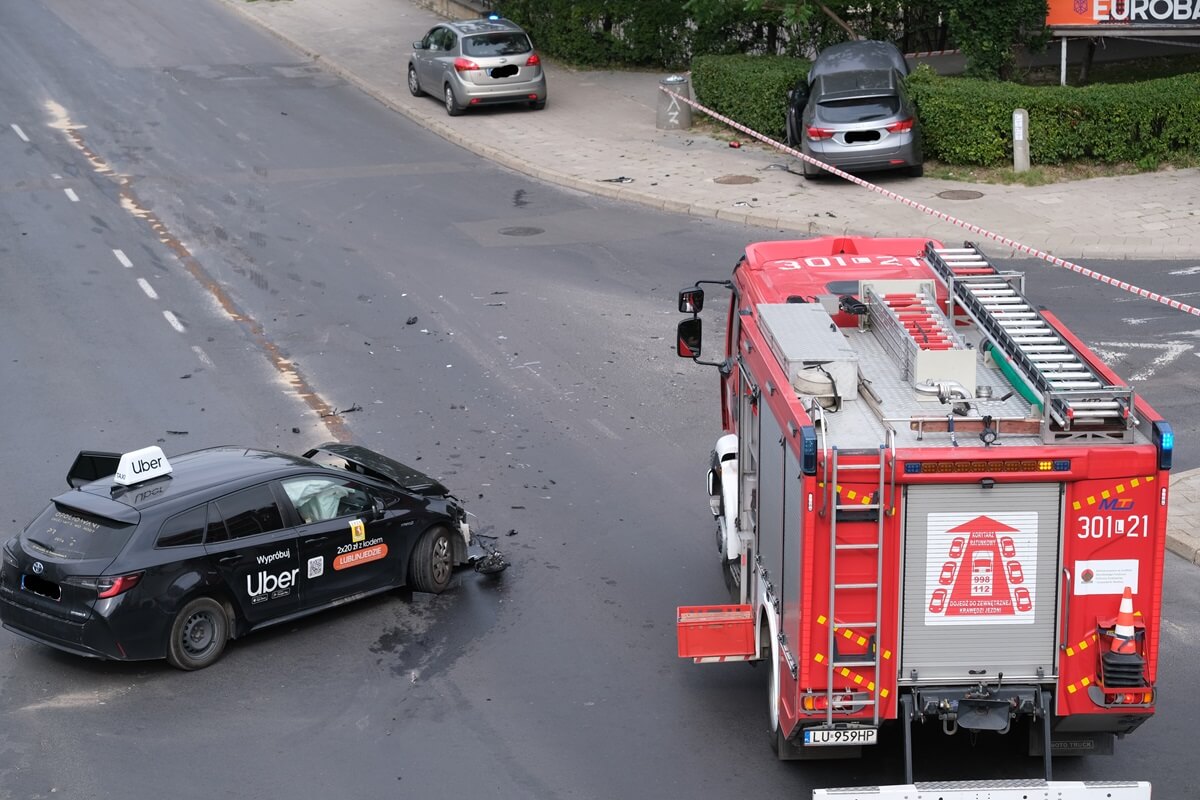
673 114
1020 140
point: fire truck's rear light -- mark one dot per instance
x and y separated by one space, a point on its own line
1164 440
814 702
991 465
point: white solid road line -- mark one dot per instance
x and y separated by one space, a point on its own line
20 132
147 288
74 198
173 321
124 259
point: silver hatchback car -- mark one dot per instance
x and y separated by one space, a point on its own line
853 112
477 62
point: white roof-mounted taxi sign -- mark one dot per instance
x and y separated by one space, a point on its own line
141 465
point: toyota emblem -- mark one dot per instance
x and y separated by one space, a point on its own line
38 568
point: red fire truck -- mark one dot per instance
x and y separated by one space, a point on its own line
933 504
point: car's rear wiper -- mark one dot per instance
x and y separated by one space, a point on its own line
41 545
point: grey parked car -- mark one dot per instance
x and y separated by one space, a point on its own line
853 113
477 62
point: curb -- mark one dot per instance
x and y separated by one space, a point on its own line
1183 535
505 159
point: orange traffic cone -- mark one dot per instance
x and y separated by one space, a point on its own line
1124 635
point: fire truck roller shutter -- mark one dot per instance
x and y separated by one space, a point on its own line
980 592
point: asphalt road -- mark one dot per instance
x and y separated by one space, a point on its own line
294 229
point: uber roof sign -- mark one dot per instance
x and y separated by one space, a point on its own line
141 465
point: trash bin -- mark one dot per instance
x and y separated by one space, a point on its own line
674 114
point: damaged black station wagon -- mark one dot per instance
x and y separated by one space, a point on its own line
148 558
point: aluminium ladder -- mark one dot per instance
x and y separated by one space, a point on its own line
1074 397
869 659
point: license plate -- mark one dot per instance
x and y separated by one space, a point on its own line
819 737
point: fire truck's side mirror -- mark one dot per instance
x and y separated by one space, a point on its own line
688 338
691 300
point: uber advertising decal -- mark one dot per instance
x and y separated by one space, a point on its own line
269 584
361 550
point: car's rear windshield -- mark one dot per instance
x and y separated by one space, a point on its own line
860 109
496 44
64 532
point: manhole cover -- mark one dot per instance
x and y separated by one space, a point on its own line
735 179
521 231
960 194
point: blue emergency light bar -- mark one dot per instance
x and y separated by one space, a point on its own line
808 450
1164 440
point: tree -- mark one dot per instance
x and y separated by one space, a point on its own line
987 32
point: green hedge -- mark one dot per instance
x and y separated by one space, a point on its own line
969 122
749 89
640 33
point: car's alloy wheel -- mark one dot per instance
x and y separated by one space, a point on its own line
452 106
414 85
198 634
432 562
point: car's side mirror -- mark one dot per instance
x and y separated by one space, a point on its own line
688 339
418 45
377 509
798 97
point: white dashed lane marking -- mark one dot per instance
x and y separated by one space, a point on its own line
203 356
173 321
148 289
74 198
20 132
124 259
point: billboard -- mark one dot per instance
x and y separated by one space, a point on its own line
1140 13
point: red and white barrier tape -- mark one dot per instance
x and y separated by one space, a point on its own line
928 53
933 212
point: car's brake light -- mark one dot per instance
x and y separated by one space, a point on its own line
111 587
533 60
901 126
464 65
107 585
819 133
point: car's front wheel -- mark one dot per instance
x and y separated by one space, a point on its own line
452 106
414 85
432 562
198 634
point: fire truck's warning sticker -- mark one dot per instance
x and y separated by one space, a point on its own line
1106 576
979 570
